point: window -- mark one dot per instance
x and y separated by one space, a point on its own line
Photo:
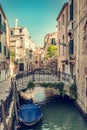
72 25
71 69
63 38
53 41
21 67
36 62
20 30
0 18
63 49
20 37
71 10
63 19
8 55
63 68
63 44
59 47
0 47
71 47
5 50
11 32
86 87
59 25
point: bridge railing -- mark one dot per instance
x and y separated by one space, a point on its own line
44 76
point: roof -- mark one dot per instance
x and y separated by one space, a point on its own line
66 4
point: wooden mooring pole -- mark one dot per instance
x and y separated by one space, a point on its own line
16 95
3 115
15 105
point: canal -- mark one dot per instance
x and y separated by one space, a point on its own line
58 114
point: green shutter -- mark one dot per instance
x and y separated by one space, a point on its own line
71 10
53 41
8 54
11 32
5 50
71 47
0 47
0 19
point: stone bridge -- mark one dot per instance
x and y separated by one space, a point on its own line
39 76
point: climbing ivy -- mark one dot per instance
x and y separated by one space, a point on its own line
59 86
12 55
30 85
51 51
73 91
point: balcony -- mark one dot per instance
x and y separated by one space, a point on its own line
72 59
64 61
2 28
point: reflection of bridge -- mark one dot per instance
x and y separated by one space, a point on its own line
38 76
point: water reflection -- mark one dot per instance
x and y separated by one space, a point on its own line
39 94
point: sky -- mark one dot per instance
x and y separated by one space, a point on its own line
39 16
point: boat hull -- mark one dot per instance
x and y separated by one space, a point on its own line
29 114
32 123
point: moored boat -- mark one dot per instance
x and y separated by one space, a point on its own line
29 114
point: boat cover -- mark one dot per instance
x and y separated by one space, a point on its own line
29 113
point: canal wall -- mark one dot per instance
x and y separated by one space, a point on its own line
81 108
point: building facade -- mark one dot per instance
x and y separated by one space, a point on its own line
62 22
22 47
71 45
39 58
80 51
4 47
50 39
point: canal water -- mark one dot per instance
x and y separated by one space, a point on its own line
58 114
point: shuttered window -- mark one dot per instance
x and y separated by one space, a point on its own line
71 10
53 41
0 19
63 19
11 33
5 50
0 47
71 47
86 87
21 67
8 54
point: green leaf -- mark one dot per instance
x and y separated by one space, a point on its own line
51 51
